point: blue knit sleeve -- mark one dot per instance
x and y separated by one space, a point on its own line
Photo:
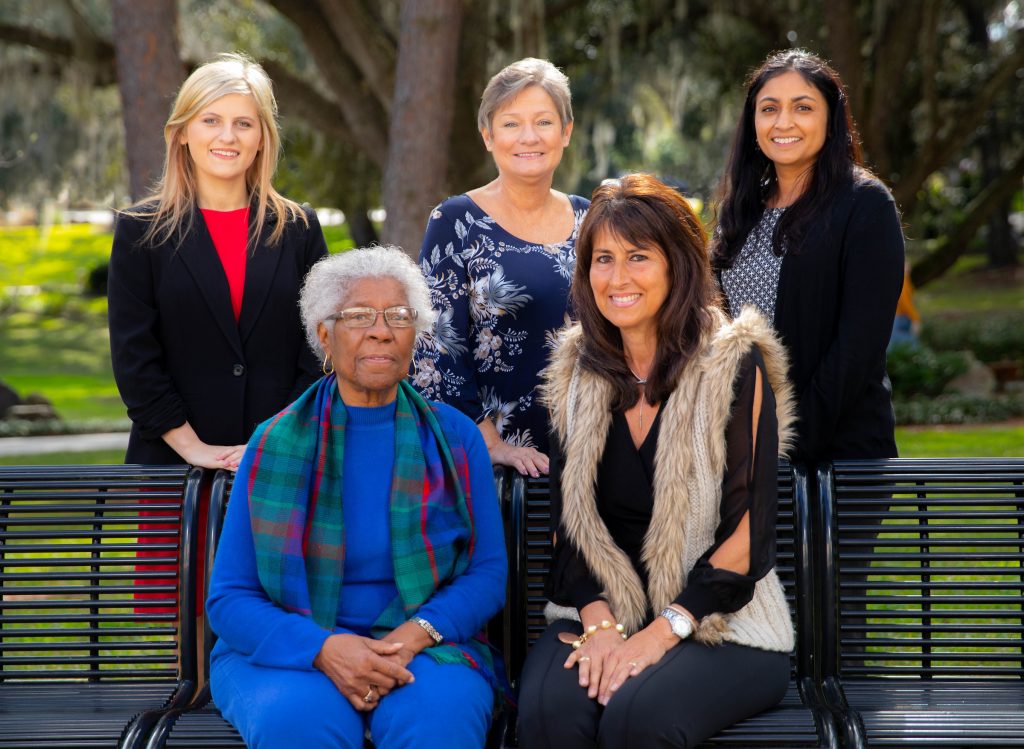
461 609
239 611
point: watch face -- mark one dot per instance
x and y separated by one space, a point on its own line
681 625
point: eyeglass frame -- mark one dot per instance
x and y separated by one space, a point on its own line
341 315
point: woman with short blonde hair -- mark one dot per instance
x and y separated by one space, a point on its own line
499 259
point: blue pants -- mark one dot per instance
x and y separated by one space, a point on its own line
447 706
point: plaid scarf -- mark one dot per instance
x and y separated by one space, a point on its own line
299 531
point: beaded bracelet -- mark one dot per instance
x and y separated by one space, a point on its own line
592 629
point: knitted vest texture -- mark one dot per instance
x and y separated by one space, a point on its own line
689 465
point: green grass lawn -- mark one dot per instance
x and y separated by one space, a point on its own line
969 287
976 441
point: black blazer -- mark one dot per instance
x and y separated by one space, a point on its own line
834 311
178 353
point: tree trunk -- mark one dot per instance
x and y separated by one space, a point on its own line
421 121
469 164
149 71
1000 247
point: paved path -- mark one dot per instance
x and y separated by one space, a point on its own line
63 443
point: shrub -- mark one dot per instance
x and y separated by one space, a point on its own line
957 409
917 370
992 336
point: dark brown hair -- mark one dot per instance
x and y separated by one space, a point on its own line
645 212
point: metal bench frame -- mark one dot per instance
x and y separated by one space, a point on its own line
199 724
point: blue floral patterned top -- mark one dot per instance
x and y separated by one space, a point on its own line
500 301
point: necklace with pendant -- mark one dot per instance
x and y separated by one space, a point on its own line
640 381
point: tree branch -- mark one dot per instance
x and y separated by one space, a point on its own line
942 253
297 99
64 49
366 119
963 121
371 50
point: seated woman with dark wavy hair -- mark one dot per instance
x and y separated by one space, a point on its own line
667 620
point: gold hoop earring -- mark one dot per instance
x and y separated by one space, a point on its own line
323 367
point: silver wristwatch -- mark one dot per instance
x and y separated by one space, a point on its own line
427 627
682 626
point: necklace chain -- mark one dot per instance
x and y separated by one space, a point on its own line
640 381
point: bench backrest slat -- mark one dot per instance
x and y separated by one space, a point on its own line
75 544
929 558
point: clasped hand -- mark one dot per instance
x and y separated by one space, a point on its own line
605 660
355 664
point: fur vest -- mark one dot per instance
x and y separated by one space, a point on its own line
689 466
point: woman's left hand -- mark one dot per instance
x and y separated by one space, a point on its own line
643 649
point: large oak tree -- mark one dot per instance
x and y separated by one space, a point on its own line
386 81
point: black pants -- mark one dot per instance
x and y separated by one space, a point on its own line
689 695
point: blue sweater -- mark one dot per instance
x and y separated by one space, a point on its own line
249 623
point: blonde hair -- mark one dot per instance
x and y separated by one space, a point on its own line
171 207
511 80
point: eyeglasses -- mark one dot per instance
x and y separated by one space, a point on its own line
364 317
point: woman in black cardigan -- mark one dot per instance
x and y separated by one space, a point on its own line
205 334
813 240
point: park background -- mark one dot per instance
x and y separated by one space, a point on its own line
378 103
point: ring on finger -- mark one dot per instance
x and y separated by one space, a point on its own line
371 695
634 664
583 658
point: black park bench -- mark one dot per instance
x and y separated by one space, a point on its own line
905 579
80 653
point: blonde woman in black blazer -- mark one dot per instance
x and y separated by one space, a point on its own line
814 241
197 367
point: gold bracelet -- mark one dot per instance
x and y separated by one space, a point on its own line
592 630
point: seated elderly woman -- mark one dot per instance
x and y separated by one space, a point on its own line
363 550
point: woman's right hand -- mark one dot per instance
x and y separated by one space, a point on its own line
184 441
592 656
526 460
355 664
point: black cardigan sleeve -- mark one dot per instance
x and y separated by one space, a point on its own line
314 248
871 269
136 351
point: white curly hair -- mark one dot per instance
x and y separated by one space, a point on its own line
329 283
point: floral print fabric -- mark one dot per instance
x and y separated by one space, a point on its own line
500 301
